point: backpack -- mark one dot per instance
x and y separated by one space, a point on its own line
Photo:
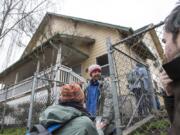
39 129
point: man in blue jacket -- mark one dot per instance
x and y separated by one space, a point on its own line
99 98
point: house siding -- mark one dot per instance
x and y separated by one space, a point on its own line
100 34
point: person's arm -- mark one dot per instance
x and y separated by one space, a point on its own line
168 95
107 113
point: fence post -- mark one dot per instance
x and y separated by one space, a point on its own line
4 110
153 99
32 97
114 88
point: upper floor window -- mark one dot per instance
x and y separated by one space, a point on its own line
103 62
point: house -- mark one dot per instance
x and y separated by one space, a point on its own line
73 42
63 47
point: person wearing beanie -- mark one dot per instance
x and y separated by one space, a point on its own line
99 101
71 93
70 113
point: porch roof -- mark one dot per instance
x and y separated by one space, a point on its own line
66 40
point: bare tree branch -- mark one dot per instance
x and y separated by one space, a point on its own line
20 18
5 15
6 32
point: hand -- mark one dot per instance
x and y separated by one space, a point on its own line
100 125
166 83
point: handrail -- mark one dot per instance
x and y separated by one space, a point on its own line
78 76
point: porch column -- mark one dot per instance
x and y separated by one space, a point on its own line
57 74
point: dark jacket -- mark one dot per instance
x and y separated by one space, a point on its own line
172 104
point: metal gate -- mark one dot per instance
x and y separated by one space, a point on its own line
131 67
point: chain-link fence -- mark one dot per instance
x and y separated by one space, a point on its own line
134 70
14 106
134 64
22 103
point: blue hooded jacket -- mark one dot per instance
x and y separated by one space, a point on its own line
93 94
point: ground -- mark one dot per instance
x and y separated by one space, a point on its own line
155 127
14 131
159 125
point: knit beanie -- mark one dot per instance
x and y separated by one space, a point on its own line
71 93
93 67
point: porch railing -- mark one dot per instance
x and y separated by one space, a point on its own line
24 87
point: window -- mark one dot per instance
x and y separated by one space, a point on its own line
103 62
77 69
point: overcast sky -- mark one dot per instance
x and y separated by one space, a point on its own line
128 13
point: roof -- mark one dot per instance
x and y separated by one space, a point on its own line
87 21
155 38
44 22
122 28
